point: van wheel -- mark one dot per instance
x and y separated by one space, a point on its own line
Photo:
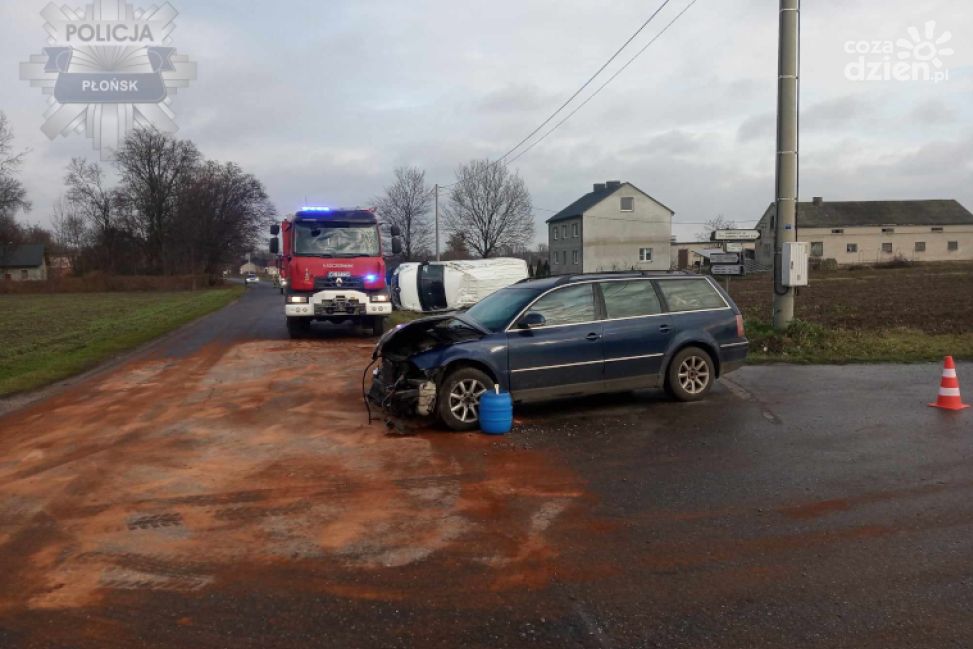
459 398
690 375
298 327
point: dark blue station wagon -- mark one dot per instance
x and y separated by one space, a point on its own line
562 337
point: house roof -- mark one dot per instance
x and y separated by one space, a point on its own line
592 198
827 214
26 256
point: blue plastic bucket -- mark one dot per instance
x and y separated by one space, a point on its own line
496 413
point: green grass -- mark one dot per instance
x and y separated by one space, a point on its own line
48 337
807 342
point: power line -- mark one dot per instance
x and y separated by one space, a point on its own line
604 85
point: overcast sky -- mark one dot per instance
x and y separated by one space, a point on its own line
325 99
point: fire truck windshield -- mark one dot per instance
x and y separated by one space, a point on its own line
335 240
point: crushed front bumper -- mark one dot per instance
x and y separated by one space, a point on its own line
402 393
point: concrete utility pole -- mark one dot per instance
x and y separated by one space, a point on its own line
788 92
437 221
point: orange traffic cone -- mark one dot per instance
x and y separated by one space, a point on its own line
949 398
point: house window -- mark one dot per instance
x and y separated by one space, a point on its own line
888 230
24 274
817 249
628 204
851 247
937 229
574 259
564 231
575 230
556 257
838 231
952 246
645 254
887 248
920 246
554 229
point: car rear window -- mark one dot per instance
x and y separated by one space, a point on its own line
690 295
630 299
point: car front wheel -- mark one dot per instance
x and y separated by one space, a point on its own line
459 398
690 375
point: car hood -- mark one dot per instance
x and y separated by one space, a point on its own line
417 336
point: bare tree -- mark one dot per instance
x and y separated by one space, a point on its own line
490 207
13 194
154 167
406 204
71 233
99 207
719 222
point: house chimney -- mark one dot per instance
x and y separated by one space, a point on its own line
817 200
613 184
599 187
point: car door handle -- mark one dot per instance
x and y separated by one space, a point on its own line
664 329
592 336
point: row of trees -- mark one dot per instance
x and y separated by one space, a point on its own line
170 212
487 212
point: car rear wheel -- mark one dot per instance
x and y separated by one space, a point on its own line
459 398
690 375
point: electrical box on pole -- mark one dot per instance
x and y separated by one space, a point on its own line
794 263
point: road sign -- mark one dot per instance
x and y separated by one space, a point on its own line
736 235
732 269
733 247
724 258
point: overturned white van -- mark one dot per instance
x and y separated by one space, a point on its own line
448 285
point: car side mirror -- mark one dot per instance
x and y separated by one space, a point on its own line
274 246
275 229
396 245
531 320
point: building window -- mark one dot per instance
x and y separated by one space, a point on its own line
887 248
628 204
24 274
920 246
838 231
564 231
574 259
557 257
851 247
888 230
937 229
554 229
575 230
7 276
645 254
817 249
952 246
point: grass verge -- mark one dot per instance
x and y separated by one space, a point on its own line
49 337
807 342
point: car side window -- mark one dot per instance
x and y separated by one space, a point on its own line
568 305
630 299
690 295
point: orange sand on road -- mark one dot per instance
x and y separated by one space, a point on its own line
189 474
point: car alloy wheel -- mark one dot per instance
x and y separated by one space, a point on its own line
694 375
464 400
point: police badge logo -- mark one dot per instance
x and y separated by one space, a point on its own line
109 68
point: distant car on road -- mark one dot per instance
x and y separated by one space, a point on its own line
563 337
251 278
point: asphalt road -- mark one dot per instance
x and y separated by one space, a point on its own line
222 488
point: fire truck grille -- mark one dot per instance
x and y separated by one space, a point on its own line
331 283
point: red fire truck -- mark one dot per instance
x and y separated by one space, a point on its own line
332 268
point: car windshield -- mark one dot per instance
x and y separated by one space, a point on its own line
495 311
335 240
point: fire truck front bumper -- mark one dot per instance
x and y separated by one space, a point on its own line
336 304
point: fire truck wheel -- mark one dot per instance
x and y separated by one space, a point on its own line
378 325
298 327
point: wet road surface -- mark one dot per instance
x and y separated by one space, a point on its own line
223 489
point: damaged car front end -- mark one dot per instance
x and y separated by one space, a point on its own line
411 360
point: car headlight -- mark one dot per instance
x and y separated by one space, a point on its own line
380 297
297 299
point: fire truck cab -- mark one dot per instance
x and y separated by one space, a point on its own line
332 268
